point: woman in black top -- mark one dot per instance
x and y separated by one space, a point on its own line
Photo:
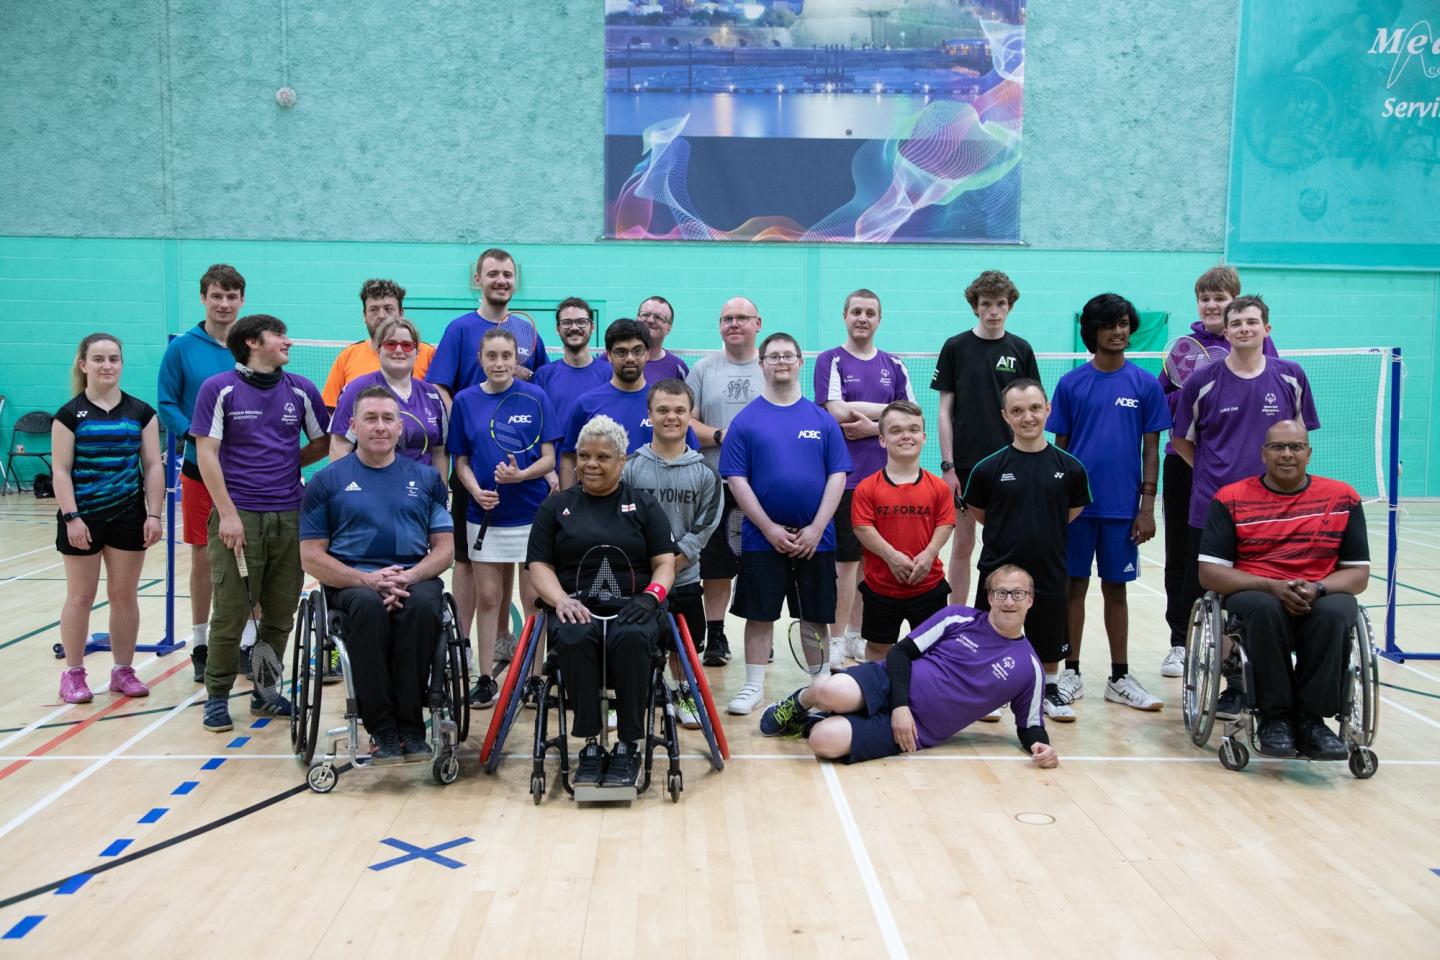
109 486
603 549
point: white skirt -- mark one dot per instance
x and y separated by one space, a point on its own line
502 544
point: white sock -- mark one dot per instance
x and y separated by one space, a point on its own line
755 675
199 633
1051 678
247 636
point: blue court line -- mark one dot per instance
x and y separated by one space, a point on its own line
184 788
117 847
18 931
73 884
413 852
262 722
1435 870
155 814
237 743
212 763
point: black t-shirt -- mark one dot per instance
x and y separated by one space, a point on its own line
106 472
572 522
976 370
1027 499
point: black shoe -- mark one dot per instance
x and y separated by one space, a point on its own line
717 651
1230 704
416 747
198 656
591 766
485 693
244 667
623 767
1318 743
1276 737
386 748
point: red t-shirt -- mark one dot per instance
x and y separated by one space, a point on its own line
905 516
1303 535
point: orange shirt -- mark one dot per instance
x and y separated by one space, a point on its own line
359 359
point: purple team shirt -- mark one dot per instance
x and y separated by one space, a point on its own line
668 367
1214 341
423 420
260 433
966 670
1227 417
840 375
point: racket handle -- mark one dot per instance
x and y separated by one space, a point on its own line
240 563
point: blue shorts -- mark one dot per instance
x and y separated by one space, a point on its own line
870 734
1107 541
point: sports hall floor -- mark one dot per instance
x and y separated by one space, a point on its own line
1139 844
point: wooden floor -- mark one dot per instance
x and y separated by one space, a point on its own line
1139 844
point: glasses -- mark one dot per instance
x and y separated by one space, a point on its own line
620 353
1287 447
738 319
1018 594
649 315
573 324
404 346
779 359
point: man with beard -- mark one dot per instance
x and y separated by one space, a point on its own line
380 300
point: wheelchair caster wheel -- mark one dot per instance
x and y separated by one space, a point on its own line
1363 763
321 778
1234 755
446 770
537 789
675 784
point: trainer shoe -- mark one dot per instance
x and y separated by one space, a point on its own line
217 715
994 716
784 718
622 769
416 747
1174 663
838 646
590 768
198 656
746 700
854 645
243 666
73 688
1230 703
1318 743
386 748
1071 684
685 709
1275 737
277 707
717 651
1057 705
123 680
485 692
1127 690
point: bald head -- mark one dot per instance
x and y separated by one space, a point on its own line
1287 431
1286 455
739 323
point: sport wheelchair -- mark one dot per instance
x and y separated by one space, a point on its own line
1213 649
547 691
319 635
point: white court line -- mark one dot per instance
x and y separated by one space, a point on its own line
894 946
1404 709
20 819
32 573
1388 663
27 553
61 709
153 756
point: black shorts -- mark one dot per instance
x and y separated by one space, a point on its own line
880 623
847 548
1047 625
767 581
459 503
717 560
124 531
871 736
687 603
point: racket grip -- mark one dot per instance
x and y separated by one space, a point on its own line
240 563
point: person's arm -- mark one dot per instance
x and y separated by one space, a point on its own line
62 462
1074 512
316 450
1030 719
809 536
1219 548
339 447
153 472
704 432
1184 448
1144 526
901 566
316 559
978 513
440 460
898 668
510 471
485 498
547 587
567 471
167 394
749 505
395 587
702 524
947 443
232 531
925 559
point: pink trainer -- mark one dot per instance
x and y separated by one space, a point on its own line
123 680
73 688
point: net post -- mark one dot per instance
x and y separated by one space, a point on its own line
1392 649
167 643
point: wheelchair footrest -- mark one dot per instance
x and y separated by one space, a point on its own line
590 793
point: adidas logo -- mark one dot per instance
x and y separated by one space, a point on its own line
352 485
1129 568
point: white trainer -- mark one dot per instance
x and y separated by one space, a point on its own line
837 654
854 645
746 700
1057 707
1174 663
993 716
1127 690
1071 684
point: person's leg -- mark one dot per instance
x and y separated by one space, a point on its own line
82 579
195 508
859 699
1047 627
122 580
1320 654
368 641
765 581
847 578
489 581
577 650
229 612
1176 479
1075 595
1081 544
630 651
462 579
718 568
1117 626
504 638
814 593
962 546
275 582
881 623
830 738
837 693
1265 631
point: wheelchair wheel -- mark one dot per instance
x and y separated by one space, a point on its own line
675 783
537 789
305 686
299 654
1363 763
322 777
1202 668
445 769
458 678
1234 755
1359 716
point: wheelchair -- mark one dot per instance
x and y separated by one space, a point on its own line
547 691
1213 649
319 637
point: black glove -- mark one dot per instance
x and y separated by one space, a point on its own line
640 609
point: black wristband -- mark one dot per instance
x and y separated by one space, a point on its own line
73 515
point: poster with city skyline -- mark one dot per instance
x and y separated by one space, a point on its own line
862 121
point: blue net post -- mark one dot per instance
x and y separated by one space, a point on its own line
1392 649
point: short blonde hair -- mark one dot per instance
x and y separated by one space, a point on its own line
601 427
388 327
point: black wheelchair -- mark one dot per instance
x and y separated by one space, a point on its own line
319 639
1213 649
547 691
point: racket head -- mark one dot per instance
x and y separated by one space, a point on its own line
516 423
605 579
266 667
522 327
734 529
809 646
1185 356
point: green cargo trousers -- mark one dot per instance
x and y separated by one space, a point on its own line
272 552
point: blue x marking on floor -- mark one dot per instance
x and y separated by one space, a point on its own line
413 852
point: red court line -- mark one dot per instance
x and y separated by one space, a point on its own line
46 747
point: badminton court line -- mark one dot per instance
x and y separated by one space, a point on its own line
894 946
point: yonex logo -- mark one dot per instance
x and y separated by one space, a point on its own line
521 418
1059 474
351 486
808 435
1127 402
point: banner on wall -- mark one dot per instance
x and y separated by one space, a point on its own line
1335 153
868 121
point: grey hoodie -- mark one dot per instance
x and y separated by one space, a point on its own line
688 490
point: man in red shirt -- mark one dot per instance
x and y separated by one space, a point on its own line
1290 554
902 516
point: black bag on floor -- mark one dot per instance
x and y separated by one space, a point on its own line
44 489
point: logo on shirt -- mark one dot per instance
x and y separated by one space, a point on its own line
289 407
1271 408
1130 402
565 512
967 643
1006 477
737 390
647 424
81 414
352 486
808 435
1001 668
1059 474
521 418
1005 363
627 508
1129 568
410 490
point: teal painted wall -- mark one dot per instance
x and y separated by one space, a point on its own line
425 131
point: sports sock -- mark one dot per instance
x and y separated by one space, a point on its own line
1073 665
800 696
199 634
755 675
714 628
247 636
1118 670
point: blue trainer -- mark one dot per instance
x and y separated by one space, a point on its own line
784 718
217 715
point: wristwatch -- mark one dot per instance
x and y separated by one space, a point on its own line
73 515
946 465
1320 590
718 435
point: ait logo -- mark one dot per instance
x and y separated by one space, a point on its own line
1006 363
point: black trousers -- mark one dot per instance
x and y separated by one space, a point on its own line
629 650
1176 479
390 651
1190 589
1313 685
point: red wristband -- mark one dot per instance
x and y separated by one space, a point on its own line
656 591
